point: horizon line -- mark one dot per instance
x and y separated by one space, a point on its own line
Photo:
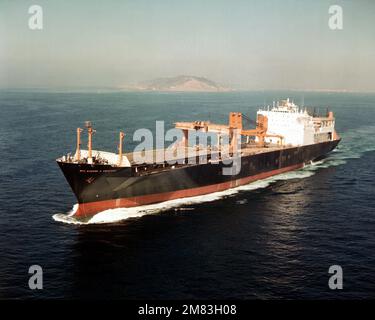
90 89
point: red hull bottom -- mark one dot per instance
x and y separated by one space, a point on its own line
91 208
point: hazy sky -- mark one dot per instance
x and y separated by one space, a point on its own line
249 44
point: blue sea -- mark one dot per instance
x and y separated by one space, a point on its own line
274 239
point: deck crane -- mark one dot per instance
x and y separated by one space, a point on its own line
234 125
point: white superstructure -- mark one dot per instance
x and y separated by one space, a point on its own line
296 126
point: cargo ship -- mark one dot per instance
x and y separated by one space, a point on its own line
285 138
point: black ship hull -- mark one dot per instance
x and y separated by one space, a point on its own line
101 187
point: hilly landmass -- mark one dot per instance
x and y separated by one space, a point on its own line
180 84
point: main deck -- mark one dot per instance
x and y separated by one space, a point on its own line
179 156
190 152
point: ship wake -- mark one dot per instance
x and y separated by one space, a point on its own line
354 144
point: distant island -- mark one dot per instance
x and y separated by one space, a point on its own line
179 84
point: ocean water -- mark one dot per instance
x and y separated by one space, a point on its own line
275 238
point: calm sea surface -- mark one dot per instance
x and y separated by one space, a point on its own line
271 239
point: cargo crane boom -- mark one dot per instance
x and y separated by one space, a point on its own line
234 126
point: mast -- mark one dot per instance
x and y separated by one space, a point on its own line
121 138
78 149
90 131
